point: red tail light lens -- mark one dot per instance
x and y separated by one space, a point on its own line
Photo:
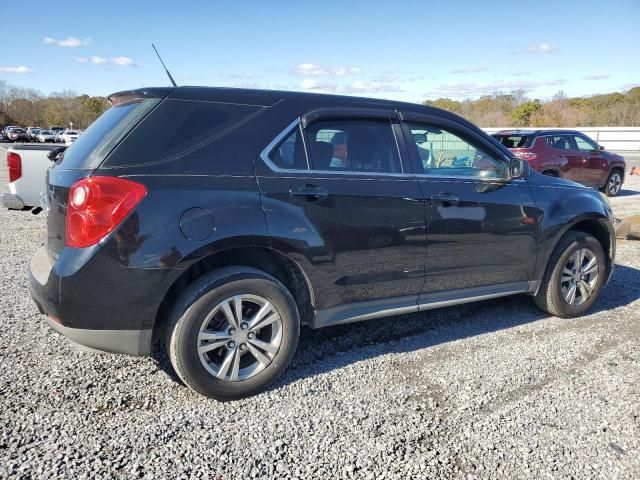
97 205
14 162
528 156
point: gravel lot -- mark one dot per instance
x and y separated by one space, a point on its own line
489 390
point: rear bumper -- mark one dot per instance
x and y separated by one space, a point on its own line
130 342
12 201
76 307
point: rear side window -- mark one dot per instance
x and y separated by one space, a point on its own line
289 154
365 146
560 142
176 126
104 134
514 141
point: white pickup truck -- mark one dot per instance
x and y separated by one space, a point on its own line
27 169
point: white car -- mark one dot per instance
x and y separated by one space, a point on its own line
46 136
69 136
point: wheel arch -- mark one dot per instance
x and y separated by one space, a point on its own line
263 258
595 225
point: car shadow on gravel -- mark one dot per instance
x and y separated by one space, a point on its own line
323 350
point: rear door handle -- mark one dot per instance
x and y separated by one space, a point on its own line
445 199
310 192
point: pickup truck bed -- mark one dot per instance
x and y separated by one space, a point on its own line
25 190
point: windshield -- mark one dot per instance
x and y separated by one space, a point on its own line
105 133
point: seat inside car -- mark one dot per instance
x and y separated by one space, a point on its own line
321 155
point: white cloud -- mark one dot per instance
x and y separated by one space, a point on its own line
464 90
387 78
98 60
469 70
67 42
597 77
311 69
521 73
355 87
18 69
81 59
542 48
124 62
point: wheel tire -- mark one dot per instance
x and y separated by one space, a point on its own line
550 173
549 297
612 187
200 298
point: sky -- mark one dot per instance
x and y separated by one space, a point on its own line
401 50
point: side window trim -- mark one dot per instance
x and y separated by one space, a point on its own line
456 129
403 157
265 155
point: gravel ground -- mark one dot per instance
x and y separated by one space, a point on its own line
489 390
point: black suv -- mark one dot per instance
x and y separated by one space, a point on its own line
223 220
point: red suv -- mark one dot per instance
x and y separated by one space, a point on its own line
567 154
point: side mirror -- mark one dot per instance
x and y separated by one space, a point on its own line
419 137
600 147
516 167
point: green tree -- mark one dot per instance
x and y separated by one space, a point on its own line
522 114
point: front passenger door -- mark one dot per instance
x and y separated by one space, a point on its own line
481 224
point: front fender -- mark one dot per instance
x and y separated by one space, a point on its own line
567 208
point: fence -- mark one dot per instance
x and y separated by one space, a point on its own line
616 139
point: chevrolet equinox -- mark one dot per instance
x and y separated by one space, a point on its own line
220 221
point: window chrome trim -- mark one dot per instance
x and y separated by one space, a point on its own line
264 155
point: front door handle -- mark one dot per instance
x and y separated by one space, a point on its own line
311 192
445 199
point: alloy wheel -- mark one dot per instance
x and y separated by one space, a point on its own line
579 276
239 338
615 183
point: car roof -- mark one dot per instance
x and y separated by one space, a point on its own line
536 132
271 97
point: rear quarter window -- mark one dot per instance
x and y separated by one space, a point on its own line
177 126
103 135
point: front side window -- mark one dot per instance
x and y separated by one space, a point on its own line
584 144
350 145
444 153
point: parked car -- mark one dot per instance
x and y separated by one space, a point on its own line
27 166
224 242
68 136
567 154
46 136
18 135
33 133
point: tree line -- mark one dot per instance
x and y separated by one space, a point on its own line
517 110
29 107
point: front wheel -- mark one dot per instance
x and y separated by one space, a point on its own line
574 276
233 332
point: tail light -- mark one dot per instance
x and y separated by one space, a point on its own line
528 156
14 163
97 205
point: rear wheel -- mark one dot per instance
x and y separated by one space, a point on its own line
233 332
575 274
614 184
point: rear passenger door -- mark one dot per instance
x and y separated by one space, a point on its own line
481 224
341 199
